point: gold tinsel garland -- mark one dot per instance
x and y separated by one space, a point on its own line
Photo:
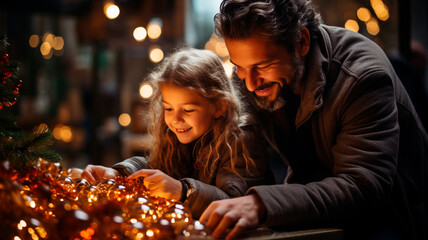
45 202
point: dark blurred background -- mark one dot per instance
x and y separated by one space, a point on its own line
83 68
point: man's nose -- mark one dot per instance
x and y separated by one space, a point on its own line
252 80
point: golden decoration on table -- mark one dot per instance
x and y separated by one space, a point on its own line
45 202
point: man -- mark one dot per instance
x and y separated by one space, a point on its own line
337 114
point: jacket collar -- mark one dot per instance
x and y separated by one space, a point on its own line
315 79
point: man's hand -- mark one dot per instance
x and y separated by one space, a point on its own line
241 212
93 173
159 183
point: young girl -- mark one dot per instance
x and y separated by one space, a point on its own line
205 148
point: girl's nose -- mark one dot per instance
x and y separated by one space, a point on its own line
177 118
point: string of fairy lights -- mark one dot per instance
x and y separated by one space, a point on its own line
46 202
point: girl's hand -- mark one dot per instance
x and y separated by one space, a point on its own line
159 183
93 173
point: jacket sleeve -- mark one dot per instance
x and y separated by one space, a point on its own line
364 162
131 165
202 194
228 183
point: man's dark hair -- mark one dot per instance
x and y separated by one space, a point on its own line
277 20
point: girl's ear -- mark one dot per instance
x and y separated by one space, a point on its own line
221 108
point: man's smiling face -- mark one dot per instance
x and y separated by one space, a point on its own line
265 68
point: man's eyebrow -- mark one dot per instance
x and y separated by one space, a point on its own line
255 64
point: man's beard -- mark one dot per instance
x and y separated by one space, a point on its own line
280 101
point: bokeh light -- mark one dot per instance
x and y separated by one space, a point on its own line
372 27
34 40
352 25
49 37
111 10
363 14
45 49
156 55
146 90
154 28
380 9
140 34
124 119
58 43
62 132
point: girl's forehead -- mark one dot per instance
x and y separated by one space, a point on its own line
167 88
174 94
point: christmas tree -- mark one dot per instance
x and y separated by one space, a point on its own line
21 149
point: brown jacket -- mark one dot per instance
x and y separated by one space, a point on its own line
368 140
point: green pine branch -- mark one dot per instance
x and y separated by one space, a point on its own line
21 149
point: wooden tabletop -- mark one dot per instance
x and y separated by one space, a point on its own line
267 234
318 234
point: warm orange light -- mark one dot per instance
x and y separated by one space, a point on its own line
42 127
48 37
34 41
62 132
66 134
372 27
352 25
140 34
380 9
150 233
154 28
156 55
146 90
363 14
58 43
124 119
45 48
111 10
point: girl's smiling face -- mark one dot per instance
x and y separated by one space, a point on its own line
187 113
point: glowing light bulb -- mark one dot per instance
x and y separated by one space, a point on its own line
111 10
34 41
363 14
58 43
45 48
372 27
156 55
140 34
154 28
352 25
124 119
146 90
